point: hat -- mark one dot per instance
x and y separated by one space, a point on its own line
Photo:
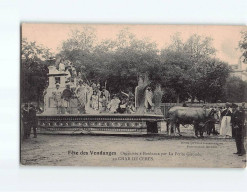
234 105
57 84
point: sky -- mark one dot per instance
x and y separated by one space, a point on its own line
225 38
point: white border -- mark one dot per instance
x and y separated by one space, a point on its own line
13 177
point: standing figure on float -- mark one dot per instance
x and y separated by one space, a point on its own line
57 96
95 101
106 93
81 93
67 96
61 65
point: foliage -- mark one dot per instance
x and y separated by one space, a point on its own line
185 69
191 70
235 90
243 45
115 62
33 71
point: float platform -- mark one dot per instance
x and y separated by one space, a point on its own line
134 124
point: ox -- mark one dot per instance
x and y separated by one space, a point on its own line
198 117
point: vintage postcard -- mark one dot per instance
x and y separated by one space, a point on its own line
133 95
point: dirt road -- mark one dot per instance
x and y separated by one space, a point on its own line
145 151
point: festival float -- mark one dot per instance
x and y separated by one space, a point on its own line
90 122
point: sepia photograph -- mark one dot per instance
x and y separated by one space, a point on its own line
133 95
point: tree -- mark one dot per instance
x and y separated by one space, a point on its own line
235 90
185 69
199 48
175 73
191 70
79 49
243 45
83 40
210 85
33 70
117 61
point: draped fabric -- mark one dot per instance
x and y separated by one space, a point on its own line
148 98
113 105
107 95
89 94
95 102
81 94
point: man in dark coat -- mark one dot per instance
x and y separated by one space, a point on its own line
26 121
238 125
33 121
242 109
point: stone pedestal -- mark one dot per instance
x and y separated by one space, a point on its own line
49 104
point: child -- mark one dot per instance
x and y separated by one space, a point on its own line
102 102
95 101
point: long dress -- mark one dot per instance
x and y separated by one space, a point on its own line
81 94
148 99
102 104
107 95
225 126
95 102
88 102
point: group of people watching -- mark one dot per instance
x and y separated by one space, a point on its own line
232 124
29 120
224 115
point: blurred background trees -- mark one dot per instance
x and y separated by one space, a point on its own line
186 69
243 45
33 71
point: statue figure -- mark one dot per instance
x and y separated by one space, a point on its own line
62 66
148 99
157 99
140 93
140 83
